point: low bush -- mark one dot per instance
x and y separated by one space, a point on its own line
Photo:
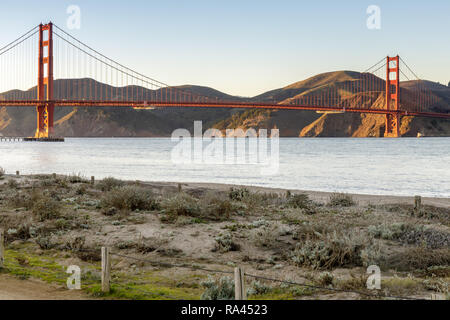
331 251
258 288
181 204
221 289
12 184
341 200
418 258
325 279
411 234
76 178
238 194
109 183
266 237
129 198
300 201
215 207
225 243
46 208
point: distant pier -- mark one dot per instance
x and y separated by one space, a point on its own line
51 139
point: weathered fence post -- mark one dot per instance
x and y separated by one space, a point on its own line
180 187
92 179
17 173
106 269
239 284
2 248
417 205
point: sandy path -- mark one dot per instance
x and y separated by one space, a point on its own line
12 288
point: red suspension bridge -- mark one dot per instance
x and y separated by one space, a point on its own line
69 74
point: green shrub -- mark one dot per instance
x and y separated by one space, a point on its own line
181 204
331 251
266 237
12 184
418 258
76 178
215 207
300 201
238 194
258 288
341 200
325 279
225 243
129 198
109 183
46 208
411 234
221 289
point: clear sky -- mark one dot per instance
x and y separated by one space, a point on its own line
246 47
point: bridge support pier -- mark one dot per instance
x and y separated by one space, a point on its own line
392 126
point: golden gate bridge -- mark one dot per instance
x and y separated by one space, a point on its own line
70 73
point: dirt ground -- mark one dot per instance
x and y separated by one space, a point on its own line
12 288
316 238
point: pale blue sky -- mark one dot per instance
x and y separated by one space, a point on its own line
248 47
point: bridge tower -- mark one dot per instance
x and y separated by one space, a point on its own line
392 97
45 108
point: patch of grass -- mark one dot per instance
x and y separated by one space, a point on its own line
355 282
401 286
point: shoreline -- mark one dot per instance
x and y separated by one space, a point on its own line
320 196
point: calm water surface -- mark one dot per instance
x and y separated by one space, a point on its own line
405 166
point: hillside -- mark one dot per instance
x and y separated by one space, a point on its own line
111 121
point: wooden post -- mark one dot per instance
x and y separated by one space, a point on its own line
179 187
92 179
2 248
17 173
239 284
417 205
106 269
